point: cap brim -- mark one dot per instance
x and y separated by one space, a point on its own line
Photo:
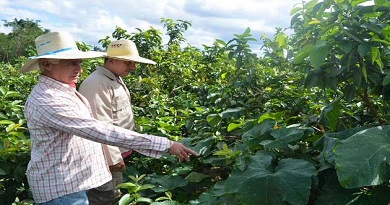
32 63
133 58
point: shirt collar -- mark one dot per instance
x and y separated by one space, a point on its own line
106 72
55 84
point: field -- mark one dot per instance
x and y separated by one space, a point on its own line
305 123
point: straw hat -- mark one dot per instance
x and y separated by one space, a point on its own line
56 45
125 49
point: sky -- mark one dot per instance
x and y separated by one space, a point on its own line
91 20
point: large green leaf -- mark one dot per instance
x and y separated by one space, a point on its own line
232 112
260 184
319 53
258 133
303 54
327 143
363 159
283 137
196 177
215 196
330 114
168 182
334 194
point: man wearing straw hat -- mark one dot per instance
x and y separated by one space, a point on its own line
111 102
66 152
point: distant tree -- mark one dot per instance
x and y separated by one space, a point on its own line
18 42
175 30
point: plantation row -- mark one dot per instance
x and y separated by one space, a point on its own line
306 123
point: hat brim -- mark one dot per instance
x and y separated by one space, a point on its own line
133 58
32 63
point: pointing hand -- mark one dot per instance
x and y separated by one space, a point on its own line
181 151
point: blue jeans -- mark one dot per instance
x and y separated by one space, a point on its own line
77 198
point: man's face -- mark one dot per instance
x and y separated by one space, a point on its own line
122 68
66 71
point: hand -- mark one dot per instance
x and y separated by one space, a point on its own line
120 167
181 151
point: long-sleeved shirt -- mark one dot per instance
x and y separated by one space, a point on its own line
66 154
110 101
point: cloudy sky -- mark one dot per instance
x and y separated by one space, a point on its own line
89 21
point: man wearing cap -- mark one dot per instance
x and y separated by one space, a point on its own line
66 152
111 102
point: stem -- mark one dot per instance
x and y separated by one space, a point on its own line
366 101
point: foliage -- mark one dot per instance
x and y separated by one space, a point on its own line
20 40
15 146
345 48
303 124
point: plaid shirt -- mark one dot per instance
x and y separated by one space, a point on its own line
64 159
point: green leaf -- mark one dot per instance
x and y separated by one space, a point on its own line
12 94
273 116
363 50
372 27
226 152
314 22
2 172
168 182
319 53
351 35
374 8
233 126
295 10
196 177
376 57
328 141
165 203
363 159
334 194
204 146
330 114
126 199
3 90
258 133
259 184
212 196
283 137
125 185
214 120
220 42
145 186
364 72
166 126
346 46
349 92
302 54
12 127
313 80
386 80
232 112
6 122
144 200
281 39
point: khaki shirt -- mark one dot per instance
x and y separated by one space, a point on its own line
110 102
